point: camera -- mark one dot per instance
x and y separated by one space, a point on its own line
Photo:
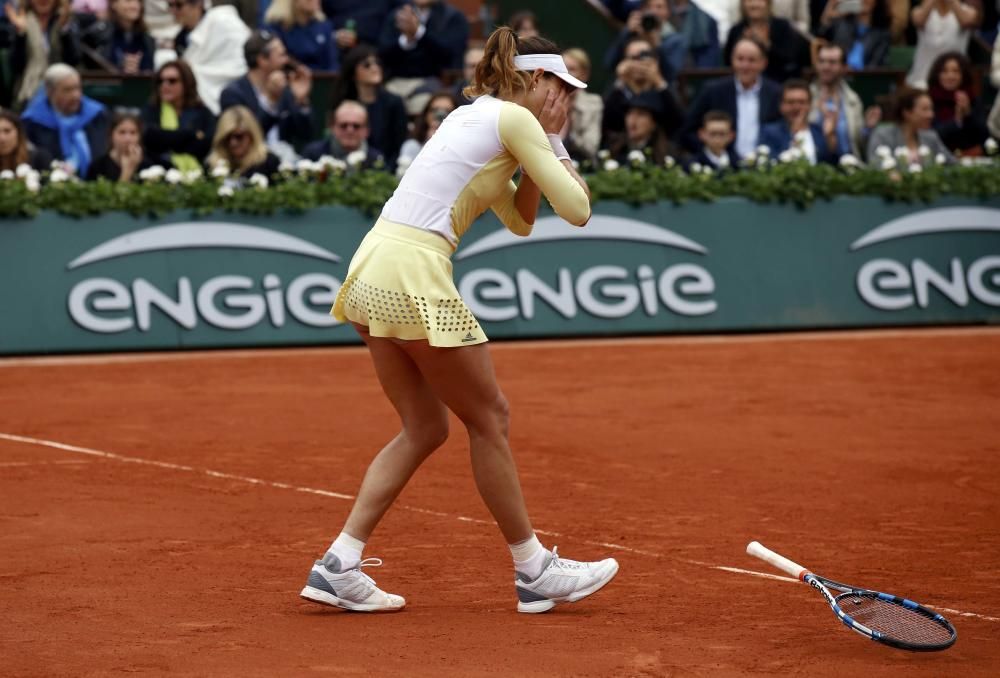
649 22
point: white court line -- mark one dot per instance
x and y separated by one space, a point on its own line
73 462
337 495
610 342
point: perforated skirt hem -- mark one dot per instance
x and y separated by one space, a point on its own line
400 285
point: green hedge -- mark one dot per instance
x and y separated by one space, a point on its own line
309 185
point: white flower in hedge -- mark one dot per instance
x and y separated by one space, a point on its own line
174 176
636 157
786 156
940 159
888 164
400 171
901 152
32 181
259 180
991 146
849 160
923 151
611 165
763 150
915 168
750 159
192 175
708 170
23 170
669 162
329 162
221 170
603 154
7 175
58 176
226 191
883 151
355 158
404 161
286 167
967 162
695 167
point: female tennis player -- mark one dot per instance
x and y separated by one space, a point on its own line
428 349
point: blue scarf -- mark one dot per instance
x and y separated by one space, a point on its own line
72 129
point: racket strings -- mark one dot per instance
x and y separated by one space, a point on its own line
891 619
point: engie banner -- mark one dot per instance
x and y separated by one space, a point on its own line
114 282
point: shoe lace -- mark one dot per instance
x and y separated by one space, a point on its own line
565 564
368 562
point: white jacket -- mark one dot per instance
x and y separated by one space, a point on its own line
215 52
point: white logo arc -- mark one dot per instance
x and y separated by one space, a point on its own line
600 227
191 235
940 220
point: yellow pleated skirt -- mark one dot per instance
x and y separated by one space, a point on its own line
400 284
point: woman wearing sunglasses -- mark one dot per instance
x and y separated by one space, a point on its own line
239 145
429 351
178 126
361 79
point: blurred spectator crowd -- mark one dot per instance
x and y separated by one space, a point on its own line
234 84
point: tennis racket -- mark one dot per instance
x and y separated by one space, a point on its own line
885 618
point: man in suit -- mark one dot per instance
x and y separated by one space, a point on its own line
348 139
748 97
278 96
818 143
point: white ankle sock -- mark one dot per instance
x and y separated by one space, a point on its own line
347 549
529 556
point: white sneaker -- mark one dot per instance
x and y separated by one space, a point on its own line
351 589
562 581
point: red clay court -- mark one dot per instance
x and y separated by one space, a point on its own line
160 512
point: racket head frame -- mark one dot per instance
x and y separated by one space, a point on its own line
823 585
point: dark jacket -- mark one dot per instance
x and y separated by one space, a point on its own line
118 44
107 168
369 16
787 55
312 45
268 168
318 149
777 136
294 123
442 46
842 32
388 124
193 136
720 95
616 103
702 158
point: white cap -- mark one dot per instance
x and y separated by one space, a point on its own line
550 63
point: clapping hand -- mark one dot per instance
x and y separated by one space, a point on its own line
301 84
17 16
132 62
963 106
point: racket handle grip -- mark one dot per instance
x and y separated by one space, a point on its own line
758 550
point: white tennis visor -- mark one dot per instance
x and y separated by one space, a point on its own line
550 63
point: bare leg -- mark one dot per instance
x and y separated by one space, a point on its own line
463 379
425 428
